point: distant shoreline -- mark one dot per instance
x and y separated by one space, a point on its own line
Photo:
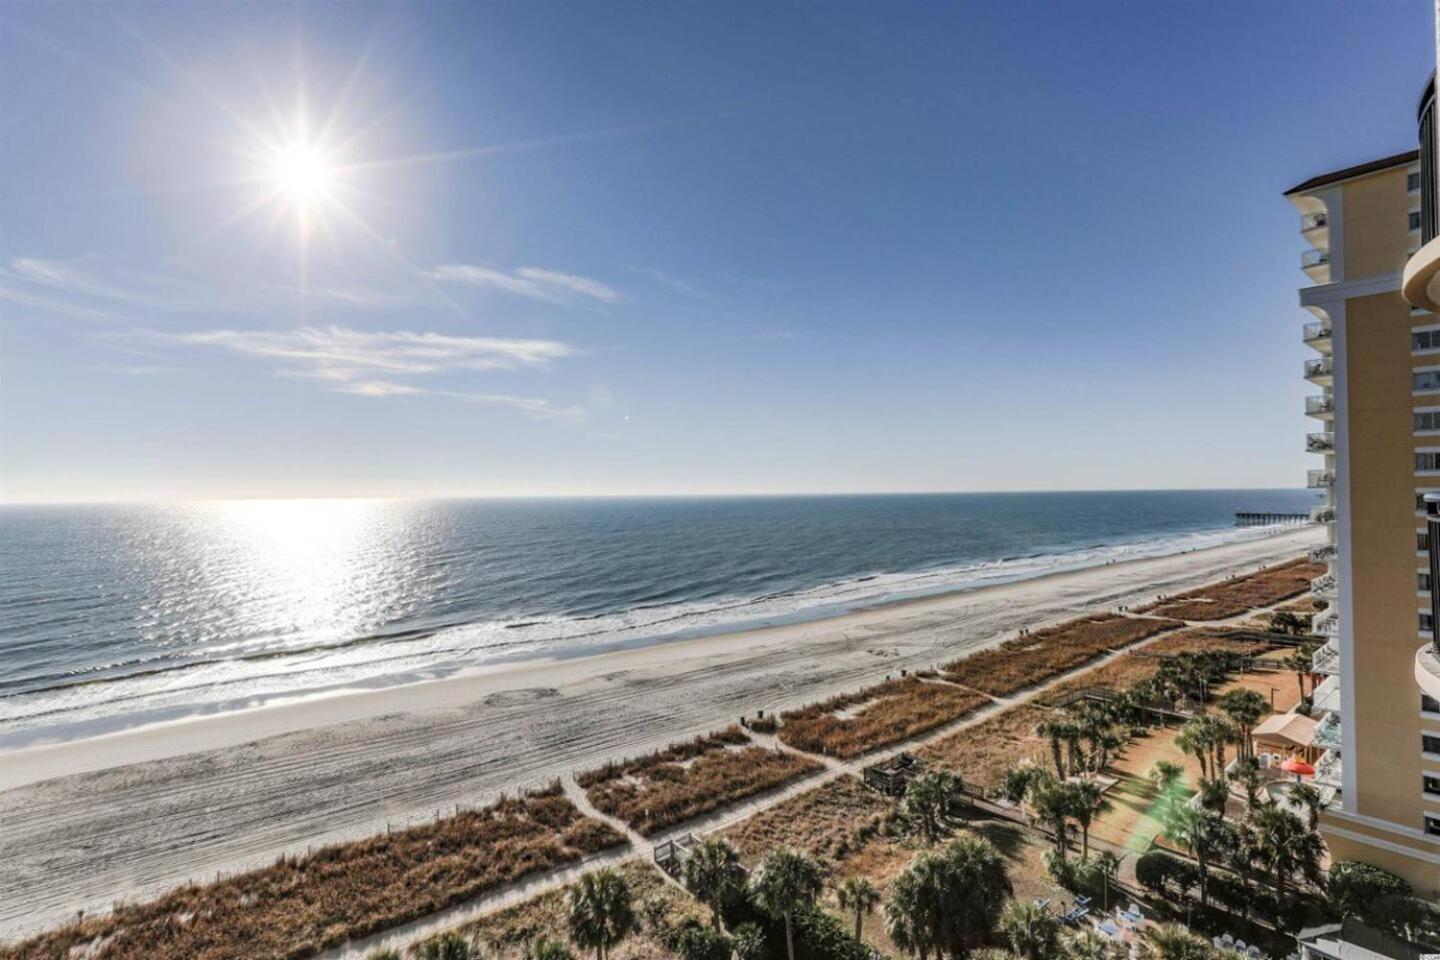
120 699
284 715
84 823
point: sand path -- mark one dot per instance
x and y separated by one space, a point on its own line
352 765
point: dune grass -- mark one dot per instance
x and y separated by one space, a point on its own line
1025 661
1229 598
830 822
851 724
688 779
981 754
301 905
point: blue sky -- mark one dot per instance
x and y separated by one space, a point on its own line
607 248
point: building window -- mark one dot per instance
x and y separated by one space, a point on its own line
1432 825
1414 219
1425 380
1431 784
1429 704
1412 182
1427 623
1427 461
1422 541
1429 743
1424 581
1425 340
1426 420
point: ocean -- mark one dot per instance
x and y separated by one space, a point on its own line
117 616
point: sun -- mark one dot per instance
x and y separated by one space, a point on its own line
303 174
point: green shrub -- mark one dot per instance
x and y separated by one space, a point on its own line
693 940
1351 887
1165 874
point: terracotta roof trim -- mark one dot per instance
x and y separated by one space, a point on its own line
1359 170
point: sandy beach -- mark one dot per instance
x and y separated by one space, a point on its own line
131 814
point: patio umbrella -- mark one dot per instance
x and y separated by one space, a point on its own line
1298 767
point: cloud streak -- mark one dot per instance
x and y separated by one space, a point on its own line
382 364
536 283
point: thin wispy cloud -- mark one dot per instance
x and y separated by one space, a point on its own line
674 283
388 363
340 353
536 283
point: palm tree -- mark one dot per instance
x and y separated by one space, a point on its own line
1308 797
1283 621
1300 662
1203 832
1171 941
785 882
447 946
1088 799
1244 708
928 800
860 897
912 915
712 873
1285 846
1030 930
1053 730
1165 774
1054 803
601 914
948 902
1195 738
1219 731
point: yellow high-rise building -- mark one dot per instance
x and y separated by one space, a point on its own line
1377 412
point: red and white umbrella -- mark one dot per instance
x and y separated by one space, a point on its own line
1298 767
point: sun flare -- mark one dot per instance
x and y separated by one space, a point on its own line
303 174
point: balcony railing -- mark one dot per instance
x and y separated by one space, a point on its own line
1327 732
1326 553
1327 696
1325 586
1326 624
1319 479
1328 771
1316 331
1319 406
1310 259
1312 220
1319 443
1322 514
1319 367
1326 659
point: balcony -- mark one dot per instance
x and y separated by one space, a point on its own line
1320 371
1321 407
1325 586
1327 732
1316 264
1319 443
1317 335
1326 553
1319 480
1326 698
1427 669
1324 514
1314 227
1421 280
1326 659
1326 624
1328 771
